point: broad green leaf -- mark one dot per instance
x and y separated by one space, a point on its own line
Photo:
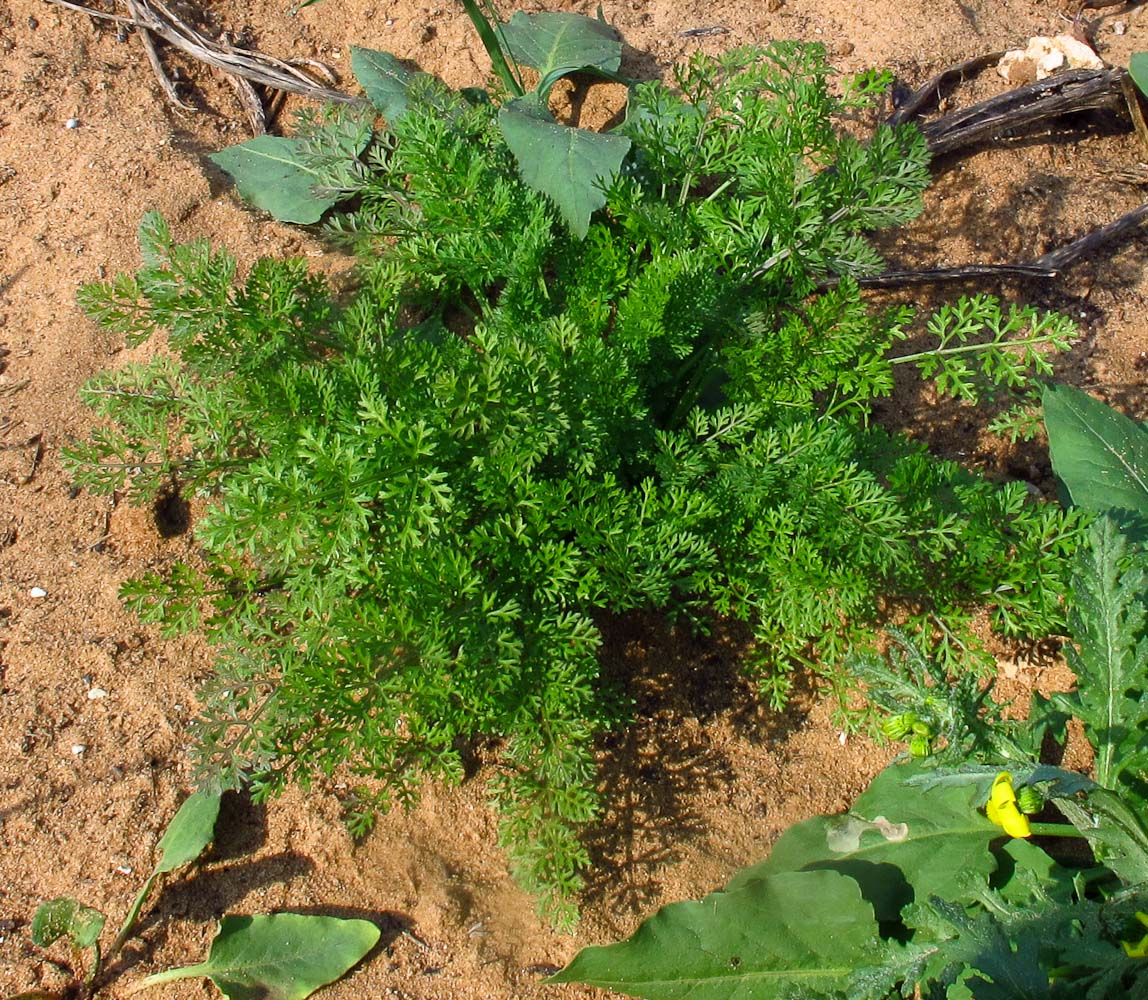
189 832
1138 70
570 165
557 44
791 934
385 80
899 842
283 956
270 172
66 917
1099 454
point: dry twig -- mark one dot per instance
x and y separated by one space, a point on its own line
154 17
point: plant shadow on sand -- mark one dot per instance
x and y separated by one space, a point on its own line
692 709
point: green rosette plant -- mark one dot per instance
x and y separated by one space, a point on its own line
423 488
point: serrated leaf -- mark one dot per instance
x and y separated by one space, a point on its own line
66 917
795 933
190 831
271 174
571 166
557 44
282 956
1110 660
1099 454
898 842
385 80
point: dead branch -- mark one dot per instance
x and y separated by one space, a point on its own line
155 17
1065 93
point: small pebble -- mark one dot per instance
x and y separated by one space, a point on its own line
841 738
1119 27
95 694
37 592
78 748
123 869
72 123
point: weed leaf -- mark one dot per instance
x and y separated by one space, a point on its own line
65 917
899 842
1138 70
385 80
557 44
283 956
746 943
1099 454
271 173
570 165
189 832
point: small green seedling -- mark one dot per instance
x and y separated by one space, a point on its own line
283 956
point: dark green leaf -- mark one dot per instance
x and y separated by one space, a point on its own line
557 44
898 842
385 80
1138 70
792 934
1099 454
270 172
570 165
284 956
65 917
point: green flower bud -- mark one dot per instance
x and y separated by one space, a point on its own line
922 728
920 746
1029 800
897 727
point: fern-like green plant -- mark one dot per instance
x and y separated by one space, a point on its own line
422 491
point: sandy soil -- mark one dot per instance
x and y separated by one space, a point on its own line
703 783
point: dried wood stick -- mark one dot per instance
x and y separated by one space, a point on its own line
156 66
1050 265
930 92
153 16
1063 93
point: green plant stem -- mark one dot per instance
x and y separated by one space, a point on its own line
133 915
495 49
966 349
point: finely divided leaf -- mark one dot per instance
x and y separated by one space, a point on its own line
556 44
899 842
570 165
284 956
270 172
792 934
1099 454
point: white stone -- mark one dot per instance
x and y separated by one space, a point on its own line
37 592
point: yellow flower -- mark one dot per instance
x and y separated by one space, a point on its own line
1002 808
1140 949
